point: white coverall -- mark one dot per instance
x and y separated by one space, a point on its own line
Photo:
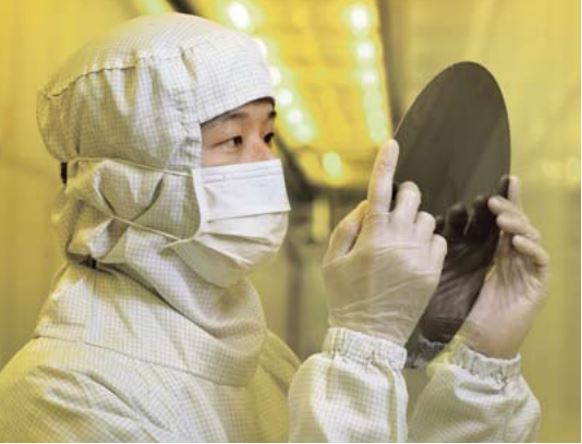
139 347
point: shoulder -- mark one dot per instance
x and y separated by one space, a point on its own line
57 391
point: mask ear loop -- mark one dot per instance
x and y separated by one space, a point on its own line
143 227
123 161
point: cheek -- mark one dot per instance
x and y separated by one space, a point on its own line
217 157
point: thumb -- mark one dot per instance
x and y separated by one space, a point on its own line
345 234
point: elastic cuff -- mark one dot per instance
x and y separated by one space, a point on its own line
424 352
502 370
364 348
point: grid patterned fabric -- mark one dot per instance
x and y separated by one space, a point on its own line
139 347
353 391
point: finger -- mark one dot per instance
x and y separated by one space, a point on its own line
514 191
513 224
407 203
345 234
498 205
482 223
424 226
456 221
380 186
532 249
503 248
503 186
438 249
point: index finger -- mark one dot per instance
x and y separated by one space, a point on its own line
381 181
514 191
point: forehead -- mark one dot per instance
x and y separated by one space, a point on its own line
261 108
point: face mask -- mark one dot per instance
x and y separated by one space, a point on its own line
243 220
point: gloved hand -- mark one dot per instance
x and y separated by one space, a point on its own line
515 287
382 266
472 241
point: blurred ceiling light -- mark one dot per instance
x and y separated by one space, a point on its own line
239 15
275 74
373 98
365 50
284 97
369 77
332 165
379 134
360 17
155 6
377 119
304 133
262 46
375 116
295 116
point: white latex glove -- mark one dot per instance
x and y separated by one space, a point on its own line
515 288
381 267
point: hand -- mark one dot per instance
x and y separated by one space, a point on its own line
516 285
381 267
472 241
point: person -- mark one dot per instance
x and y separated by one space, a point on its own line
171 197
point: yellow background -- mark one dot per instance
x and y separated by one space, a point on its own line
532 47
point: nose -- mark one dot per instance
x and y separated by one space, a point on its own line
260 150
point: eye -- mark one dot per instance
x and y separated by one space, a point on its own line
269 138
234 142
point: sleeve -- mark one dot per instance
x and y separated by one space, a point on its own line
472 398
353 391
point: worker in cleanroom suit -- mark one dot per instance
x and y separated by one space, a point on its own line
172 196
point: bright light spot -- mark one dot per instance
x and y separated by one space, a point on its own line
369 78
285 97
379 134
155 7
365 50
373 99
304 133
360 17
262 46
295 116
332 164
376 115
239 15
275 75
376 123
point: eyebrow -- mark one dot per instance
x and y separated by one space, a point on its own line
234 115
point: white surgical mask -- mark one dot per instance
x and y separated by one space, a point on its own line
243 220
